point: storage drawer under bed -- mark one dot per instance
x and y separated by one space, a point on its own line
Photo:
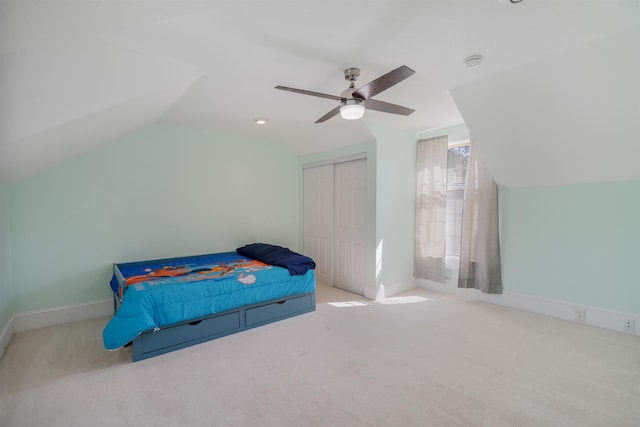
170 338
278 310
191 331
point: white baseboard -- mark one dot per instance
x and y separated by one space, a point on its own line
593 316
389 289
30 320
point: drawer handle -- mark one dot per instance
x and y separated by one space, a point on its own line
281 302
196 322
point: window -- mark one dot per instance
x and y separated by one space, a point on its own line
442 162
457 162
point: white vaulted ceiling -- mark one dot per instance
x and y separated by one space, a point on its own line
557 77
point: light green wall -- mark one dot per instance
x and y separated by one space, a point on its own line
159 192
573 243
395 203
169 191
6 289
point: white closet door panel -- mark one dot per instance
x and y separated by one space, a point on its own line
350 225
318 219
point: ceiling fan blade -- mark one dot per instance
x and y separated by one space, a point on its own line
308 92
330 114
384 82
374 104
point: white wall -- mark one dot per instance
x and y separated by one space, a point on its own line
159 192
395 208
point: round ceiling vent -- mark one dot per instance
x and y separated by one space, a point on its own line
473 61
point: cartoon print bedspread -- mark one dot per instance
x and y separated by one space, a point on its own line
162 293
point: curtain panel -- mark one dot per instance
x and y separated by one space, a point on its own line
431 204
480 250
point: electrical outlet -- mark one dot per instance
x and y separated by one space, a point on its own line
579 314
629 325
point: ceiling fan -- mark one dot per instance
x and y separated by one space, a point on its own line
353 101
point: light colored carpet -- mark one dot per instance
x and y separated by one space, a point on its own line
421 359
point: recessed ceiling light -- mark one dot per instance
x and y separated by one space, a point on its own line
473 61
261 120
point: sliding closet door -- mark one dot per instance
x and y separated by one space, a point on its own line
350 192
318 220
335 210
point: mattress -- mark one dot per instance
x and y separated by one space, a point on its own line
165 292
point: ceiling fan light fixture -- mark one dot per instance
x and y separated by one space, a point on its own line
352 111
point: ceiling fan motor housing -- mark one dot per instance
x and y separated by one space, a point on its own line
351 74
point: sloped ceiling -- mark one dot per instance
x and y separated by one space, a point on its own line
570 118
75 74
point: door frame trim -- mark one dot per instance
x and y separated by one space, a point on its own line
333 161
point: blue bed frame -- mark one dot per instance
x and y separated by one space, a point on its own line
195 331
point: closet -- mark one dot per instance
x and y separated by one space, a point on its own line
335 219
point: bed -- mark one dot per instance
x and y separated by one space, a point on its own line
168 304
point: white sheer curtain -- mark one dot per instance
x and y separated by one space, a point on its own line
480 251
431 204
